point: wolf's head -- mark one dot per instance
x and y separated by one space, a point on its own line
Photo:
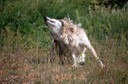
54 25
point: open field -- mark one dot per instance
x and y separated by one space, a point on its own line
34 66
25 43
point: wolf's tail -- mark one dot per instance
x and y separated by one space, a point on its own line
95 55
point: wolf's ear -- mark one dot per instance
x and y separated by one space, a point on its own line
62 22
66 18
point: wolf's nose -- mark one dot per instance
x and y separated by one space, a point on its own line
45 18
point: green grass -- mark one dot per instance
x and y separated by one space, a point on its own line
25 43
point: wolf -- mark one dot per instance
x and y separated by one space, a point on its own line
73 36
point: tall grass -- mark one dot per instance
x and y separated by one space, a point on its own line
25 42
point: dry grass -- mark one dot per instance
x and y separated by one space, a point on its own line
33 66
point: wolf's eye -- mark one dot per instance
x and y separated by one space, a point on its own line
52 21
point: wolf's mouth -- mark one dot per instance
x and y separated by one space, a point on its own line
53 24
48 20
45 20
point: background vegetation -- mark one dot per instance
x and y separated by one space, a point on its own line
25 41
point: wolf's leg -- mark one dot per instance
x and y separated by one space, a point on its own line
57 48
52 50
83 55
81 58
61 52
74 59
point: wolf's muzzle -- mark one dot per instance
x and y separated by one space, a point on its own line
45 19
